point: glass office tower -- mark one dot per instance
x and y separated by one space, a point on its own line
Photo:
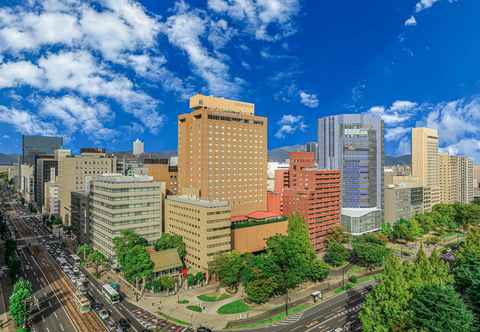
353 143
39 145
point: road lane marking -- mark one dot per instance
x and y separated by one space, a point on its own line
61 327
55 314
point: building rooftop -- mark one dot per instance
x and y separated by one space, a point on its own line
119 178
165 259
358 212
198 202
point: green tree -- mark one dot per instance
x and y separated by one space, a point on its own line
386 307
97 259
84 251
318 271
285 252
18 306
167 283
137 266
229 267
199 278
369 251
168 241
438 308
335 254
261 290
339 235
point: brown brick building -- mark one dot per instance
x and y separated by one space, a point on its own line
313 193
161 171
222 153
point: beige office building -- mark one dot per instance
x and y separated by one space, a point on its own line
222 153
476 180
119 203
445 178
203 225
51 200
75 173
403 201
425 165
462 179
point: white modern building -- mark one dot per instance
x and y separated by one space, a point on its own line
138 147
119 203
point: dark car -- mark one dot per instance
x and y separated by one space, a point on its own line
203 329
124 323
97 306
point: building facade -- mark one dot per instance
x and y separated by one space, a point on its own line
119 203
138 147
358 221
80 216
204 227
160 170
312 147
353 143
38 145
425 162
403 202
46 170
27 182
75 174
222 153
313 193
51 203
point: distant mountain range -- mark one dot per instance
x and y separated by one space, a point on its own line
278 154
398 160
8 159
281 154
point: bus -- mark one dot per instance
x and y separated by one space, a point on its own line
83 303
110 294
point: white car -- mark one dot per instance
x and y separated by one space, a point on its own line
103 314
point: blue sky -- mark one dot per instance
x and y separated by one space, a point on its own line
102 73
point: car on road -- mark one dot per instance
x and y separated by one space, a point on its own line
203 329
111 324
124 323
103 314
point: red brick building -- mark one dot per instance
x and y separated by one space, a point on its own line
313 193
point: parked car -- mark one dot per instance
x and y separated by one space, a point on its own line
103 314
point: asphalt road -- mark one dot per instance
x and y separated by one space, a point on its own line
340 312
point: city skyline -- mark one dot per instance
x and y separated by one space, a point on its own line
313 60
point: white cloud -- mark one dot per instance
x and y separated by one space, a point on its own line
25 122
265 19
78 116
184 30
469 147
395 133
412 21
289 124
455 120
404 147
424 4
309 100
400 111
21 72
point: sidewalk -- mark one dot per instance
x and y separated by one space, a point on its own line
168 305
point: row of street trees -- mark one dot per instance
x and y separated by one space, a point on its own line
289 260
427 294
19 301
368 250
90 256
444 218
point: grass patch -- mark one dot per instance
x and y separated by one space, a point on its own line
183 301
173 319
213 297
235 307
195 308
277 318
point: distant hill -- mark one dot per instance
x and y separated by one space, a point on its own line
281 154
8 159
150 155
398 160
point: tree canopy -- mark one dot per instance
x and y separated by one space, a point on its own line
168 241
22 292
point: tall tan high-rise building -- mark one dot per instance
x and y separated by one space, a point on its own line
476 180
75 173
222 153
445 178
461 190
425 165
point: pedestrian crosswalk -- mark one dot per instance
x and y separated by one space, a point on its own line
290 319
